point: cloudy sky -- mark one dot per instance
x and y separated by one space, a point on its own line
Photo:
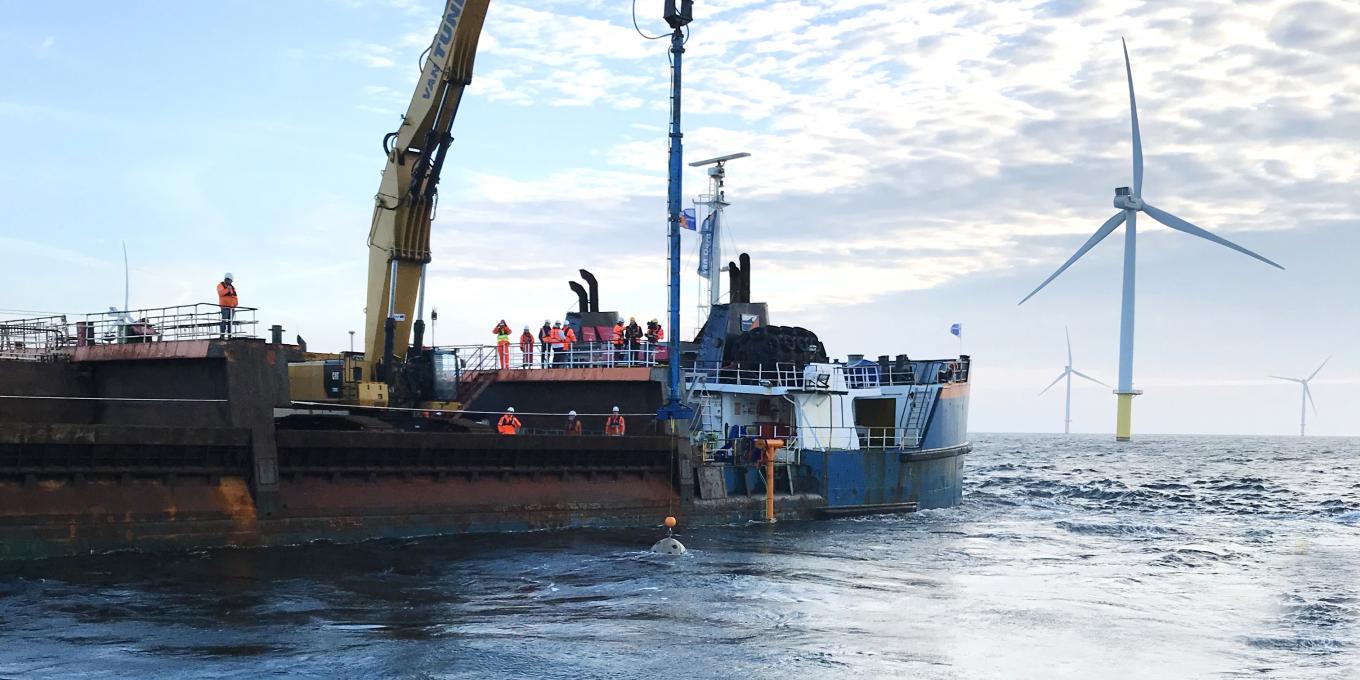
914 164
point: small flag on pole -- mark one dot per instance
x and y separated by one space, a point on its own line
956 329
687 219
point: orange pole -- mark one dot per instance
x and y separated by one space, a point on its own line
769 447
769 485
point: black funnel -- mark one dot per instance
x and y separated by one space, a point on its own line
594 291
583 301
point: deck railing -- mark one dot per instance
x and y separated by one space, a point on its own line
40 338
473 358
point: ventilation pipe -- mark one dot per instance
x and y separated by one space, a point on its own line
594 291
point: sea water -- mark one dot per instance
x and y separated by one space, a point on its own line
1071 557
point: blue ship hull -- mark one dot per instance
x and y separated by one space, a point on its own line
929 477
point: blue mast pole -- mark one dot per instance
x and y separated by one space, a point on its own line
675 409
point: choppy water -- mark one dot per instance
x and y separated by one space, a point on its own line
1173 557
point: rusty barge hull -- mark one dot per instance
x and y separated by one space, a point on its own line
75 489
178 445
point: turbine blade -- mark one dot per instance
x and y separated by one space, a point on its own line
1069 346
1076 372
1055 382
1097 237
1307 393
1319 368
1280 377
1181 225
1137 136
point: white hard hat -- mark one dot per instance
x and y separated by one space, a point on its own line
227 276
509 409
571 414
616 409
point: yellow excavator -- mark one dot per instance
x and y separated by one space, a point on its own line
392 370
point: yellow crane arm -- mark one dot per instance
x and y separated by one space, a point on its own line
399 239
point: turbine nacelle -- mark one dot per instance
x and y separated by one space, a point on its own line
1124 201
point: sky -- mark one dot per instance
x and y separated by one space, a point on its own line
913 165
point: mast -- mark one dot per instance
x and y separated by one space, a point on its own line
710 248
675 409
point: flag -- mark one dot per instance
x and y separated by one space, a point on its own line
687 219
706 247
956 329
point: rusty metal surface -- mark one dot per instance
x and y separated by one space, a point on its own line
179 349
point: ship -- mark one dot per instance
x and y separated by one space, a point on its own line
189 426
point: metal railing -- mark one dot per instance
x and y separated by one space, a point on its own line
200 321
33 339
473 358
823 376
40 338
739 446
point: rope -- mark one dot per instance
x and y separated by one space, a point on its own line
155 399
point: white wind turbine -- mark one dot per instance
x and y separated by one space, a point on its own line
1068 373
1307 398
1130 204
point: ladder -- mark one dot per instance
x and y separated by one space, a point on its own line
922 400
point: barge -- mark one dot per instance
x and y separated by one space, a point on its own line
158 434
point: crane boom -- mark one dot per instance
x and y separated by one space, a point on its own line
399 238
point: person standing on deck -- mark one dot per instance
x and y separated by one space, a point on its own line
502 331
632 335
617 341
508 424
544 347
555 337
526 345
573 426
226 299
568 341
614 425
654 337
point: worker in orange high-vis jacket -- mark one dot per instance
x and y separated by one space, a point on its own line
555 338
617 341
568 340
502 331
226 299
508 424
614 425
526 345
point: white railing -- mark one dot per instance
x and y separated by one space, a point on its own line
581 355
39 338
727 447
33 339
201 321
822 376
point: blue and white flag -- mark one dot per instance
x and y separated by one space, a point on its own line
687 219
956 329
706 245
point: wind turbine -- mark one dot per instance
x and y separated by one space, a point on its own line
1307 399
1068 373
1130 204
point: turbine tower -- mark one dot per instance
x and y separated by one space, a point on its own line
1068 373
1130 203
1307 398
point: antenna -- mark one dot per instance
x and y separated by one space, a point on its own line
126 277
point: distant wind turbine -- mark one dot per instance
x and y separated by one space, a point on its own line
1068 373
1130 204
1307 399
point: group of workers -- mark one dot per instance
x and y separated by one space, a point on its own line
556 342
614 423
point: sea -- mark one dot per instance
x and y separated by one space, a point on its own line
1070 557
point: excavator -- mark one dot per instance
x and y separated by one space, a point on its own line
389 371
